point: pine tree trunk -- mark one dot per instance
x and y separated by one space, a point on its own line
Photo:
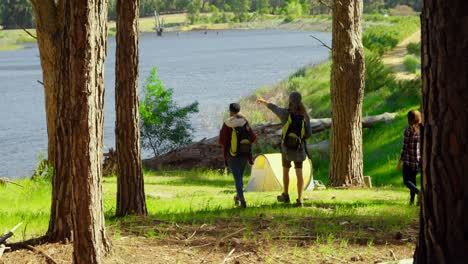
130 186
80 123
49 35
347 89
444 230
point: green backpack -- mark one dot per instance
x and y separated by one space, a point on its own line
240 141
294 131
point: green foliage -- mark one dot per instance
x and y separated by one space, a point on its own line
164 125
377 74
16 14
241 9
414 48
371 6
43 171
263 7
383 38
293 10
193 11
412 63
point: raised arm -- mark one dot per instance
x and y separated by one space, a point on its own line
282 113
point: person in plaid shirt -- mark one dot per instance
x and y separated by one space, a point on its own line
411 153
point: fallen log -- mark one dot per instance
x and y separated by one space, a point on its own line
207 154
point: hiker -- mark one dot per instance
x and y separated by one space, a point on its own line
296 129
411 153
236 138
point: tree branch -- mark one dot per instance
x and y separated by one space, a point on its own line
25 30
321 42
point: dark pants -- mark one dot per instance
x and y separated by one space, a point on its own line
409 179
237 167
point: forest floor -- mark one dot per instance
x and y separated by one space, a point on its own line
192 219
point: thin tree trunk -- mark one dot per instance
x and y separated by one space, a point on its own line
444 230
130 185
80 123
49 35
347 89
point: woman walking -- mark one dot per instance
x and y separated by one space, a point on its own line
296 129
236 138
411 153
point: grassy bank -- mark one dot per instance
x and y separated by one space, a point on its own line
13 39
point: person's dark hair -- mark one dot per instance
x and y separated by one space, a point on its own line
295 104
414 121
234 108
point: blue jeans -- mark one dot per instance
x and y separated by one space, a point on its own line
237 167
409 179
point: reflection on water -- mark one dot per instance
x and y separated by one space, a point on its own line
213 69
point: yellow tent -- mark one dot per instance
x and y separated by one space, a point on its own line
267 174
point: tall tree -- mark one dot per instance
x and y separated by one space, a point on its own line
347 90
444 229
130 186
49 16
80 121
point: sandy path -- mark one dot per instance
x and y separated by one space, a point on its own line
394 58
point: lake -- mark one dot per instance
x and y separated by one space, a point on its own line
214 69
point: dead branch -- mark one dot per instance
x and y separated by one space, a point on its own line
4 181
40 252
226 259
25 30
335 258
321 42
40 82
229 235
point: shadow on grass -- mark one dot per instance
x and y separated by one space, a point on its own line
268 222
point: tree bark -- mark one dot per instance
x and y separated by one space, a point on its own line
130 185
49 26
443 233
80 122
347 89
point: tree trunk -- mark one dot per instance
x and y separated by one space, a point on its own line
49 35
347 89
130 186
80 122
444 232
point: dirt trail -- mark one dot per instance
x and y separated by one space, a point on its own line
394 58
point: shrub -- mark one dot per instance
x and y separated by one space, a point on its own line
164 125
383 38
43 171
377 74
412 63
414 48
293 10
193 10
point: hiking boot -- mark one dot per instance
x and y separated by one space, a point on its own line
284 198
243 204
298 203
237 201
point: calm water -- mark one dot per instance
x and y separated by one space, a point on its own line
213 68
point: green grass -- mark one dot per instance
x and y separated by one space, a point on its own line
198 197
412 63
12 39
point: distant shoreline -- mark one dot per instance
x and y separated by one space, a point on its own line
14 39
